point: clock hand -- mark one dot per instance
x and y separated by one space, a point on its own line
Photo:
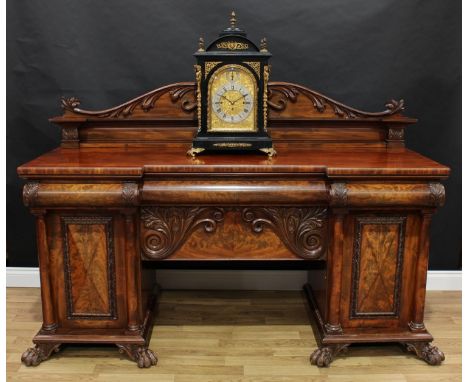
238 99
227 99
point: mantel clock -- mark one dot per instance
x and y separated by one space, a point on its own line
232 75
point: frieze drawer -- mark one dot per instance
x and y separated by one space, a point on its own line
240 233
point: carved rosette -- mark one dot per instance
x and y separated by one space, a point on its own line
30 191
437 194
167 228
130 193
302 230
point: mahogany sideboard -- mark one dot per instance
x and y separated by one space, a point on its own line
343 192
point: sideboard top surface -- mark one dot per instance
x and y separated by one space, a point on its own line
312 133
136 162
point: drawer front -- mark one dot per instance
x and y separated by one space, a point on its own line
233 233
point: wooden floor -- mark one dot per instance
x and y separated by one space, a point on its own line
233 336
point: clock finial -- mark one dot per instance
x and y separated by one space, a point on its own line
233 20
263 45
201 44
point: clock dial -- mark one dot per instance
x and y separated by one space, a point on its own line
232 100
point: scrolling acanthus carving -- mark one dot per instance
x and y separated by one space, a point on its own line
167 228
302 230
180 92
280 93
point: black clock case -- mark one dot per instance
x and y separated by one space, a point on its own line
232 141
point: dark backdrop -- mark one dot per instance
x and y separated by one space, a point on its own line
359 52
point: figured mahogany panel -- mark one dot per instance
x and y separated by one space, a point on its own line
81 194
233 240
89 267
377 265
245 190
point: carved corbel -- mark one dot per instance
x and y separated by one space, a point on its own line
437 194
30 191
396 137
338 195
70 136
130 193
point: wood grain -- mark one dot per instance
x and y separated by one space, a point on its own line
341 162
236 336
377 267
86 265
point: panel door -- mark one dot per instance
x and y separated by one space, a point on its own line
378 263
87 257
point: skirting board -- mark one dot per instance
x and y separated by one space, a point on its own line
230 279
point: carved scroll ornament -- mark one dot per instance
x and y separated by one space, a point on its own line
302 230
169 227
180 92
280 93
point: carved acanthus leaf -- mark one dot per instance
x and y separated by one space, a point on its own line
437 194
130 193
167 228
70 103
182 93
70 133
338 194
146 102
396 134
302 230
280 93
284 95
